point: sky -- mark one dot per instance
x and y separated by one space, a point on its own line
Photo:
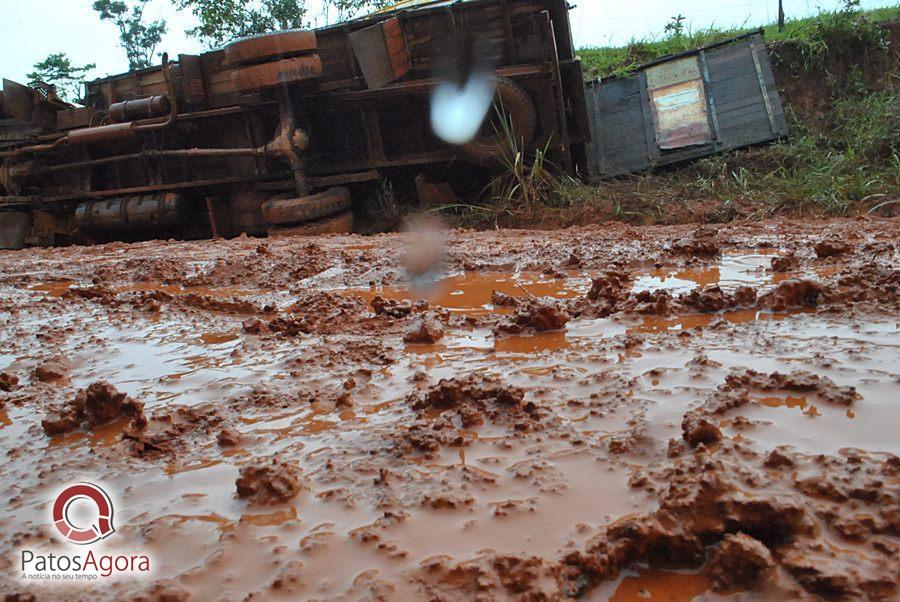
32 29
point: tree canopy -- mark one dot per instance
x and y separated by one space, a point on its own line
138 38
221 21
58 70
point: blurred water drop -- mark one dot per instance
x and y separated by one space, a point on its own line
424 255
457 112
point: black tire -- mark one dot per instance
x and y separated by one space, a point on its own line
307 208
341 223
489 144
270 75
264 48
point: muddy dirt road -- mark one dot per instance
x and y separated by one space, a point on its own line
602 412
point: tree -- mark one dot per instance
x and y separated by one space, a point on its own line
139 39
675 27
224 20
58 71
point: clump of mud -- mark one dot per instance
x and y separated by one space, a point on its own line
8 381
713 298
393 307
535 315
613 287
52 370
792 293
269 481
426 330
490 577
167 431
785 263
831 247
710 495
99 404
739 562
465 403
701 243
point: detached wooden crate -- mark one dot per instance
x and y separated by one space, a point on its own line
706 101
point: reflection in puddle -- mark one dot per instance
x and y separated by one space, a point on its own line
56 288
167 362
218 338
783 402
736 268
665 586
534 343
105 435
472 292
176 289
271 519
576 332
674 280
658 324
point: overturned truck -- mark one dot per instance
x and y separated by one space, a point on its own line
288 132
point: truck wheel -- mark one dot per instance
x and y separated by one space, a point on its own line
260 49
306 208
339 224
490 143
270 75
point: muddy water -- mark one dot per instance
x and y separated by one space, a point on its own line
471 292
380 514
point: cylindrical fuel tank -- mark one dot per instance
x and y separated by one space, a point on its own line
14 227
142 108
131 214
103 134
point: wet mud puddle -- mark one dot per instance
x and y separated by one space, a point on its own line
485 463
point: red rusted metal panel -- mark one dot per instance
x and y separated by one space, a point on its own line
396 47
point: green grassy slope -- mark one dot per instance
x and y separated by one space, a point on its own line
609 61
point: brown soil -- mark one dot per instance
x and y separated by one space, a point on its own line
608 412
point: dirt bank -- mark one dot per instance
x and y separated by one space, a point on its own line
607 412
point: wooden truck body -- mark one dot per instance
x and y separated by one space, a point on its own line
204 145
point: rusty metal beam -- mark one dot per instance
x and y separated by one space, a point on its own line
154 154
97 194
424 86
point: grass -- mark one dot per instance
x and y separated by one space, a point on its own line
842 158
812 33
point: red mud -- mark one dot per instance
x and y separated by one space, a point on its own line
605 412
